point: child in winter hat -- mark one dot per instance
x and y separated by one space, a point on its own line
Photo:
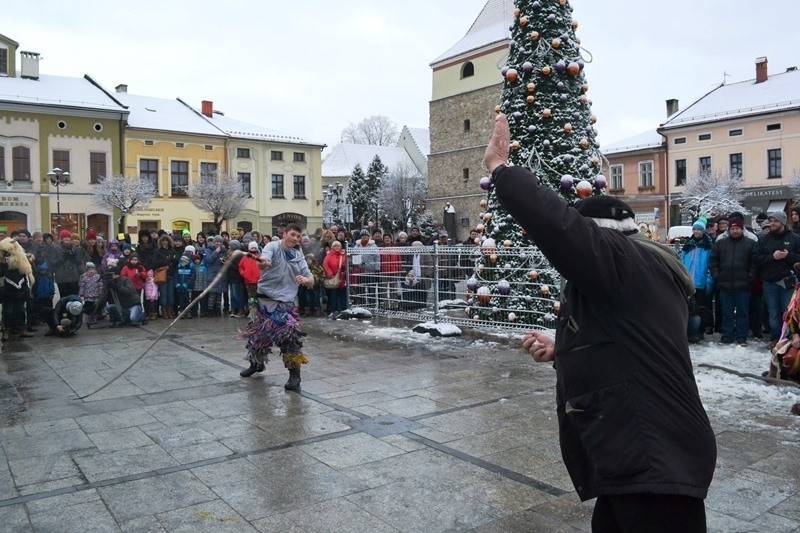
151 296
700 225
90 289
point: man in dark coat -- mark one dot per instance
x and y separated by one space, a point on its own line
775 253
732 267
633 430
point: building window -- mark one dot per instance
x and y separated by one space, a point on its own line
616 177
97 166
149 143
679 140
467 70
299 183
465 174
61 160
4 61
680 172
21 163
179 178
704 164
208 147
774 163
275 155
735 133
179 145
208 172
277 185
646 174
148 171
773 127
467 125
299 157
244 180
704 137
736 164
243 153
2 162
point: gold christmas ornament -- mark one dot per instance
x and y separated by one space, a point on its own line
574 24
479 228
516 11
530 100
477 241
533 275
596 161
547 113
531 87
507 243
484 203
487 217
546 70
585 88
515 145
544 290
534 36
583 99
523 21
556 43
493 258
562 2
567 128
593 119
557 306
584 143
497 109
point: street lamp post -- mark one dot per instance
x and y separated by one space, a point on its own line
58 178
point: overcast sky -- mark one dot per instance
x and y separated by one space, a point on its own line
310 68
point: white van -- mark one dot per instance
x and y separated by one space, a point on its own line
678 233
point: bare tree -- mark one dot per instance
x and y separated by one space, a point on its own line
399 195
794 184
220 194
126 195
377 130
714 193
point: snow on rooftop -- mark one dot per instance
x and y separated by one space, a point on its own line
641 141
422 137
490 27
244 130
61 91
779 92
150 113
345 156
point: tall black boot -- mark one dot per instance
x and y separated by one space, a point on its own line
294 379
254 367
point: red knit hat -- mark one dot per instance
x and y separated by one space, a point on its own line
90 234
64 234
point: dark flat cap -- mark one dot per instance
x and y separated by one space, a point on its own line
603 206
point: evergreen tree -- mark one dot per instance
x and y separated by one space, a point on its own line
376 174
358 195
552 134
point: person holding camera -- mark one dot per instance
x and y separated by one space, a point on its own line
68 262
775 254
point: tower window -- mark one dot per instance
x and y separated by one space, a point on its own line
466 125
467 70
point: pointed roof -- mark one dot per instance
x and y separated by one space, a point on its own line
164 114
780 92
491 27
243 130
345 156
57 91
646 140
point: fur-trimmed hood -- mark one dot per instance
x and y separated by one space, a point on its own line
17 260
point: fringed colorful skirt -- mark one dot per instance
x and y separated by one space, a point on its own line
274 324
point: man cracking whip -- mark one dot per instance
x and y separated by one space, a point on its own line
275 321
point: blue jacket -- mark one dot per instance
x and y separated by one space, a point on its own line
695 256
184 278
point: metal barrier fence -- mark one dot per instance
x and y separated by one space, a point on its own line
430 283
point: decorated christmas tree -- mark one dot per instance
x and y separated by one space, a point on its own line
552 134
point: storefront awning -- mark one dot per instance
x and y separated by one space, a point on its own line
776 205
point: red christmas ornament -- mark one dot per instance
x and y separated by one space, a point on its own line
573 69
512 76
583 189
484 295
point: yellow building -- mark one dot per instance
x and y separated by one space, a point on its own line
49 122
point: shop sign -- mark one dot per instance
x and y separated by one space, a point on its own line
13 201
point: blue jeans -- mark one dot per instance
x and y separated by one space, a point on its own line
237 296
739 300
166 294
128 315
777 302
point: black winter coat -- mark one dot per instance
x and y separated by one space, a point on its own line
630 417
732 264
770 268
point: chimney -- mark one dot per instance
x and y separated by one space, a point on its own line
761 69
121 88
30 65
208 108
672 107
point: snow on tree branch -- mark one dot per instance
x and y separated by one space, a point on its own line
794 183
376 130
400 193
125 194
714 193
221 195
